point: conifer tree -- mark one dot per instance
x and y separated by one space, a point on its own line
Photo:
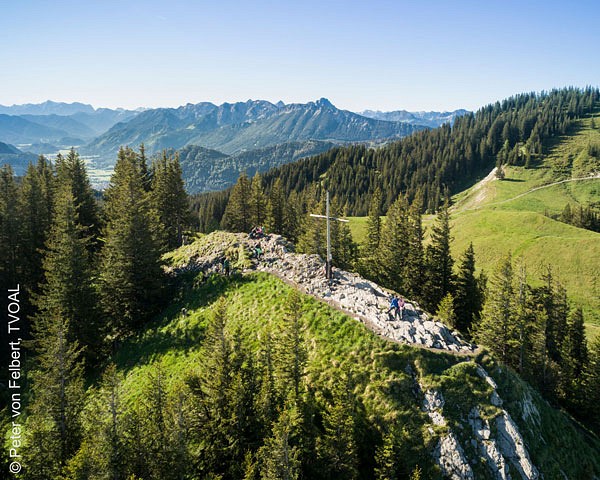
276 208
130 265
258 202
280 455
291 353
67 290
237 216
574 358
446 312
497 329
71 171
368 264
9 228
394 245
438 261
54 425
34 227
337 447
592 385
468 297
169 199
414 269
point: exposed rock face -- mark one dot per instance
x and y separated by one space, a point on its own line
450 457
508 446
362 299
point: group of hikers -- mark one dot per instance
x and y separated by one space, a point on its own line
397 306
257 232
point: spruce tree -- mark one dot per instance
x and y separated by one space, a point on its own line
35 224
53 430
71 171
67 289
130 271
415 259
497 329
258 202
438 261
394 245
237 216
592 385
468 297
169 199
446 312
370 251
337 447
291 354
280 455
10 258
574 358
276 207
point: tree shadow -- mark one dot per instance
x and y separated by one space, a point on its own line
178 328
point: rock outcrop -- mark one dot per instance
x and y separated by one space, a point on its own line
360 298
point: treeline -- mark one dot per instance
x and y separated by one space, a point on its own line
90 272
587 217
432 163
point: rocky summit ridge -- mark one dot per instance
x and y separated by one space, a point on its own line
359 298
497 440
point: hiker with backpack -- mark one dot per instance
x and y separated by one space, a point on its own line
394 305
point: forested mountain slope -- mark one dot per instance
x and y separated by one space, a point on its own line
359 406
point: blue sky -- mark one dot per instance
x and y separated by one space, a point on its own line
386 55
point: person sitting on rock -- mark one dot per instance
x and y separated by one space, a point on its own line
258 251
394 305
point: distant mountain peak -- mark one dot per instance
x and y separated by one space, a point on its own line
324 102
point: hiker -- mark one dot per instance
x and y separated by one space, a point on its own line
394 305
184 312
224 266
258 252
401 308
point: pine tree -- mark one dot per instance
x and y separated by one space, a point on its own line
130 265
237 216
468 297
438 261
67 290
258 202
169 199
496 330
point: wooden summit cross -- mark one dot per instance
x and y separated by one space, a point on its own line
328 218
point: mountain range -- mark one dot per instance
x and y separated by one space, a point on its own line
235 127
428 119
219 141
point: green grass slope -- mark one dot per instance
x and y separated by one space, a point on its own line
338 347
512 215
